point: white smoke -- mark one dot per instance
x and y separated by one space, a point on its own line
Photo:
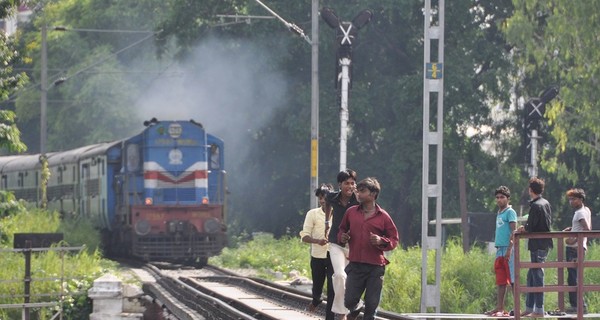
231 88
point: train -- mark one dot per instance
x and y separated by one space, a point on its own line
159 195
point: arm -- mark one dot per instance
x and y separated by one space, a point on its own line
389 240
307 229
513 227
584 225
343 235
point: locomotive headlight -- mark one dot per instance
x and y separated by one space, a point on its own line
172 226
212 225
142 227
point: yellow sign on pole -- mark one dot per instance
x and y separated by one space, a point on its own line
314 157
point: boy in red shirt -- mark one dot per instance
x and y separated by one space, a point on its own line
369 231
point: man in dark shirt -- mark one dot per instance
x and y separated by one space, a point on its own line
539 220
340 201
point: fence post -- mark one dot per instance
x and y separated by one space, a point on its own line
107 296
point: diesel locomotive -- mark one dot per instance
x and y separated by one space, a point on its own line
157 196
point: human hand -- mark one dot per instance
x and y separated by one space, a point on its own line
374 239
322 242
345 237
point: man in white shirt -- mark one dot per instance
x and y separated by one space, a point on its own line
582 221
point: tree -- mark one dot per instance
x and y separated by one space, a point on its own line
10 136
554 44
97 70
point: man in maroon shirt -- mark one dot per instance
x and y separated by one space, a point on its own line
369 230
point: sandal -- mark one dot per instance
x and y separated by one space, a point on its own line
500 314
491 312
557 312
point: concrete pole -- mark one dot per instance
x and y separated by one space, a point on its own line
344 114
44 92
314 106
534 141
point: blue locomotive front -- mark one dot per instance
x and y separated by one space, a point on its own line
171 193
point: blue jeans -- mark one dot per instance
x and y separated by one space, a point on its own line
571 254
535 278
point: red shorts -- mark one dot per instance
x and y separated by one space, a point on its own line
502 271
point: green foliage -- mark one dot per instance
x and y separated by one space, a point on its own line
9 205
76 269
468 283
554 44
10 136
267 255
10 81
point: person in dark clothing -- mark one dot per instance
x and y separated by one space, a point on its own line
338 253
539 220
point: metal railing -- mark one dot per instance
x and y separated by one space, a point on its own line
580 265
27 281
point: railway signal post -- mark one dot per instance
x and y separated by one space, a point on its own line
345 35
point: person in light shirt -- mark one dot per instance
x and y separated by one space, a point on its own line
315 231
506 224
582 221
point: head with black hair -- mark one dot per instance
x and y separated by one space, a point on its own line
345 175
503 190
576 193
537 185
323 189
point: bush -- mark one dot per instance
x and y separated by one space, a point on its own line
77 270
467 286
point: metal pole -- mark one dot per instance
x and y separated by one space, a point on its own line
44 92
344 114
27 282
433 141
314 106
534 138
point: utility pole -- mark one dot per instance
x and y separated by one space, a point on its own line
314 104
433 143
44 91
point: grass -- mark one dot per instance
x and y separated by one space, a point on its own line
72 273
467 279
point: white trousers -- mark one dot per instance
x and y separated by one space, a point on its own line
339 261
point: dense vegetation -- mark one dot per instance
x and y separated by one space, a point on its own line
77 269
468 281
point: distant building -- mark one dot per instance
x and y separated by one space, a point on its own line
10 24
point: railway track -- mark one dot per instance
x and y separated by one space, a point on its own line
214 293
